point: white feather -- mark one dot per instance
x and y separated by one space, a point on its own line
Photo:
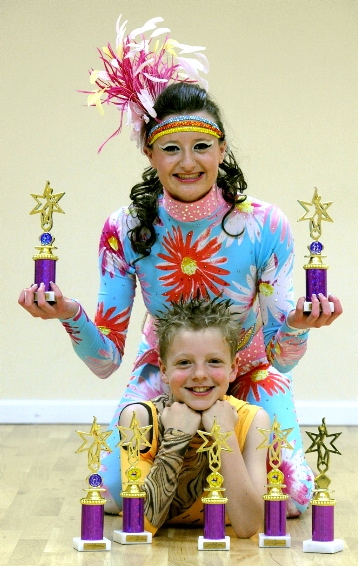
149 25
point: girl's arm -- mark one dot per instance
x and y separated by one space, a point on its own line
100 344
284 344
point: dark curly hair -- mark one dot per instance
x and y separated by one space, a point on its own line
180 98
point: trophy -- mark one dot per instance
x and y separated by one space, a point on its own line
323 540
93 504
316 270
214 502
133 438
45 260
275 500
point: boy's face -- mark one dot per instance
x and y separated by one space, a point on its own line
198 367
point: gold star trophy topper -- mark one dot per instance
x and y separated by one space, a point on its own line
218 442
319 445
47 207
98 443
316 213
275 441
93 442
133 438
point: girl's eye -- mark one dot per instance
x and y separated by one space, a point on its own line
170 148
202 146
215 361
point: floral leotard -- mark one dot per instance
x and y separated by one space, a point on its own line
250 262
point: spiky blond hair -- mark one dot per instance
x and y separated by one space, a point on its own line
197 314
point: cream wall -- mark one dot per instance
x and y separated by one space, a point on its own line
284 71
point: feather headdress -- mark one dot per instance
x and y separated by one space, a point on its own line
139 69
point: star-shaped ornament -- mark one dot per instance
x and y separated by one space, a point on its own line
275 440
219 443
93 442
47 204
134 438
319 443
316 212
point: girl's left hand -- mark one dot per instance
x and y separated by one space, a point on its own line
320 314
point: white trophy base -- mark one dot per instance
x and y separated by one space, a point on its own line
307 306
213 544
49 296
266 541
132 538
329 547
91 545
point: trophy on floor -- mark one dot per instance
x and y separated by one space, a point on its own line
92 521
275 500
323 540
45 260
316 270
214 502
133 438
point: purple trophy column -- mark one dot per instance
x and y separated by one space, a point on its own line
214 521
316 282
133 514
323 523
92 522
275 518
45 271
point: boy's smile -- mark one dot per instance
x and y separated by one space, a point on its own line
198 367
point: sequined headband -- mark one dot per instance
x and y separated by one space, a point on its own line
184 124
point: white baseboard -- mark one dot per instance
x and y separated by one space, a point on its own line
38 411
340 413
35 411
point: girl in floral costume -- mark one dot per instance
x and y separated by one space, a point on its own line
189 232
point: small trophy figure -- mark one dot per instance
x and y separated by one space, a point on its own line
214 503
133 438
316 270
275 501
45 260
323 540
93 505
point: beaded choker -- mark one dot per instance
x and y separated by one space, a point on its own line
192 211
184 124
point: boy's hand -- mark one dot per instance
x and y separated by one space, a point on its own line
181 417
226 416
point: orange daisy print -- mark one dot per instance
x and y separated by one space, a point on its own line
193 268
114 327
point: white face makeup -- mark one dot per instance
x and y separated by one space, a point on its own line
187 162
198 146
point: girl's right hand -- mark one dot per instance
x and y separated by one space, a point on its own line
63 308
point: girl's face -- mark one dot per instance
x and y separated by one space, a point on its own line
187 162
